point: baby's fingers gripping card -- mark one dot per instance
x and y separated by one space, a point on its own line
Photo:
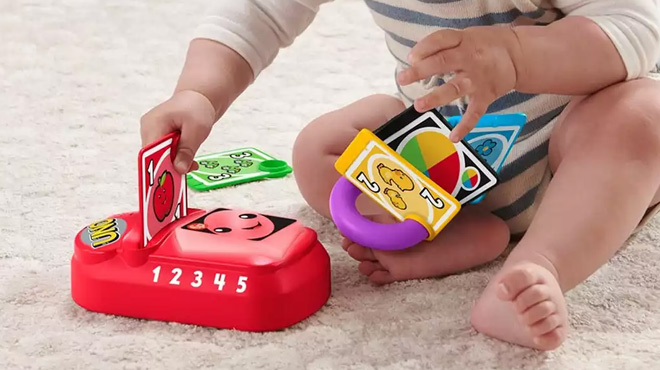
393 183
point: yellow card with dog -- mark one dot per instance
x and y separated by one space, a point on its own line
395 184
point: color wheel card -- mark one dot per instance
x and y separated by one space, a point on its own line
422 139
163 196
235 167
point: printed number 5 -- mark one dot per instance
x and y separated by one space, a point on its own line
371 185
241 284
435 202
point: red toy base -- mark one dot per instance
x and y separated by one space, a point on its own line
223 268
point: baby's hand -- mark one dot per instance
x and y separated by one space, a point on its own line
186 111
480 57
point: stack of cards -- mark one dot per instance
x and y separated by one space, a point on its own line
380 173
423 140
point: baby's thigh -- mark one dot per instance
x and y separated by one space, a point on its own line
320 143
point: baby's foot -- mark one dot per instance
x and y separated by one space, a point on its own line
384 267
525 306
454 250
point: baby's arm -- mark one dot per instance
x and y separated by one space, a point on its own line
599 43
254 29
231 47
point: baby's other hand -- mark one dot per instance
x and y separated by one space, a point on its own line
481 59
186 111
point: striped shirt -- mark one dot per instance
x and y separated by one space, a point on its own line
257 29
525 174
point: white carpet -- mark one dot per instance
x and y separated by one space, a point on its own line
75 76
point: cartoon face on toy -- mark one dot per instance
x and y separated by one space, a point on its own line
163 196
239 224
240 236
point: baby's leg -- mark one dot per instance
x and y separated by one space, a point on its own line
457 248
323 140
606 160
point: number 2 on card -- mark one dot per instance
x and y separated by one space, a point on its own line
372 186
435 202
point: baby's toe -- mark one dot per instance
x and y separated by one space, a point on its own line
538 312
369 267
360 253
345 243
550 340
376 272
545 326
517 280
531 296
381 277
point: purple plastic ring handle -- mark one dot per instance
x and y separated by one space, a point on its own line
365 232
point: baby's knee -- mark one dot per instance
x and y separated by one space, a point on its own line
311 139
331 133
635 107
624 118
323 140
313 142
313 162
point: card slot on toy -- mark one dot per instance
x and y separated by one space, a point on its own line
395 184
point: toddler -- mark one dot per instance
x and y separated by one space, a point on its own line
583 175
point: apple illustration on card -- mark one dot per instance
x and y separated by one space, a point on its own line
163 199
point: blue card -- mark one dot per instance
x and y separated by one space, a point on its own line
493 137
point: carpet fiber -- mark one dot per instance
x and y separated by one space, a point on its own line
75 77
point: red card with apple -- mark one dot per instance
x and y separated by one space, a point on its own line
163 191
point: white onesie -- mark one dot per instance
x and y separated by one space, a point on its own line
257 29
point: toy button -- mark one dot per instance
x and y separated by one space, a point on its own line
273 165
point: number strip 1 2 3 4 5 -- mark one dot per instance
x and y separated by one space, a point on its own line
219 279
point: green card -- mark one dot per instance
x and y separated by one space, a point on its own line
235 167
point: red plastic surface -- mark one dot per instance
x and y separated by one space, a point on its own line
223 268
